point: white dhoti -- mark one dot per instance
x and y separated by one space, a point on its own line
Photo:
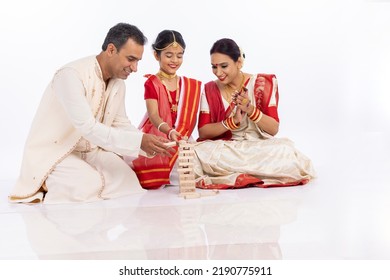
90 176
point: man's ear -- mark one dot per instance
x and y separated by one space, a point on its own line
111 49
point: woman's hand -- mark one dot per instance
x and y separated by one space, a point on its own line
242 101
237 118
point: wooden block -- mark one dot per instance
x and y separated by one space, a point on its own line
181 158
183 175
170 144
182 151
187 182
188 190
191 195
188 162
185 168
186 175
188 186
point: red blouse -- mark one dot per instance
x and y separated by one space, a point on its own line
150 93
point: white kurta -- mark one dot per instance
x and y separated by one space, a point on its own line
77 135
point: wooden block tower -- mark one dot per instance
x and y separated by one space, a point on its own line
187 187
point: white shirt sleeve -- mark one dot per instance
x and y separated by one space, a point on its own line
70 91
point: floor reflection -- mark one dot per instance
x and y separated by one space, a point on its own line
241 230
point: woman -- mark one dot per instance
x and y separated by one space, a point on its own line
238 119
172 104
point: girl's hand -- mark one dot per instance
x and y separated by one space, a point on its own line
174 135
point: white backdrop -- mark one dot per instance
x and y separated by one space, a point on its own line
331 58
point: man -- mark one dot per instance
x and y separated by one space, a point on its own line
81 130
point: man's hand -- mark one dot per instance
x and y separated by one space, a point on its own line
154 145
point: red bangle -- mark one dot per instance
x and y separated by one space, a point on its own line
225 125
230 123
256 115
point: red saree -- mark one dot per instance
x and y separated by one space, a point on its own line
154 172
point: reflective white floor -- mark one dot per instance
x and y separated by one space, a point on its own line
343 214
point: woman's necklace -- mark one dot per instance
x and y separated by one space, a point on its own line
163 76
229 89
